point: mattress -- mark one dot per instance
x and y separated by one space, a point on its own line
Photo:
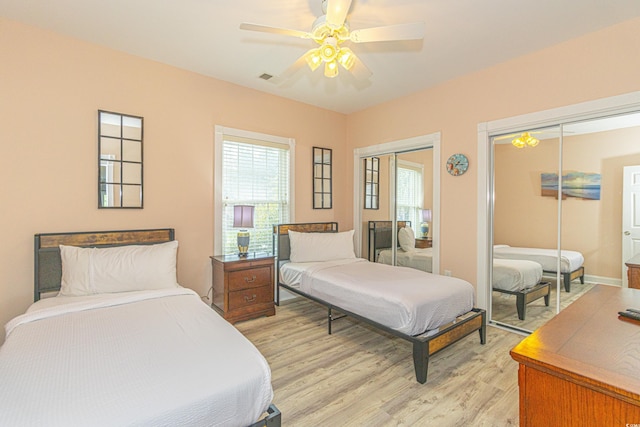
404 299
548 258
509 275
515 275
160 358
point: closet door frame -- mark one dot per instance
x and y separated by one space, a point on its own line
431 141
620 104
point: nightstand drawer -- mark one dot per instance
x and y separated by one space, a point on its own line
250 278
248 297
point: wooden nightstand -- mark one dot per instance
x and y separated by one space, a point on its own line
243 287
424 242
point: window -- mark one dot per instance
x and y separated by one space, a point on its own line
252 169
409 193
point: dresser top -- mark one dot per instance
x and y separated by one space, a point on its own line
588 343
252 256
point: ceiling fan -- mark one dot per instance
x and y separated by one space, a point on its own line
330 31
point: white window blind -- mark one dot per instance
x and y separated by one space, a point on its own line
409 194
254 173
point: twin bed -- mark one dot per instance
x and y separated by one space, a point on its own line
519 277
318 262
123 344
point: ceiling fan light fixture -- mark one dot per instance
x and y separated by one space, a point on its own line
329 49
331 69
313 58
524 140
346 58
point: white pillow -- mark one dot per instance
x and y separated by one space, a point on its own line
309 247
87 271
407 239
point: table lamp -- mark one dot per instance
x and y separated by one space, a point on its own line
243 219
426 217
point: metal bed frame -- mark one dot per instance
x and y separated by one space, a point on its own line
48 268
424 345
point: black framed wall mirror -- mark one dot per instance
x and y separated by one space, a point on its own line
322 178
371 183
119 160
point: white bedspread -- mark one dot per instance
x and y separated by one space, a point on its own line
509 275
515 275
152 358
405 299
548 258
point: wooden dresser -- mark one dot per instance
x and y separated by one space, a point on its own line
582 368
243 286
633 272
423 242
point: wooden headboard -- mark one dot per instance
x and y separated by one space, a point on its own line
48 266
380 236
281 246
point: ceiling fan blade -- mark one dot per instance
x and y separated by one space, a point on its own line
289 71
337 11
275 30
412 31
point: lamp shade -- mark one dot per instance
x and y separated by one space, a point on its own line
243 216
426 215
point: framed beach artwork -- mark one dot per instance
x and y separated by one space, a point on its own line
578 185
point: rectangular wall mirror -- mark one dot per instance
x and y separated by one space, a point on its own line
371 182
119 160
322 178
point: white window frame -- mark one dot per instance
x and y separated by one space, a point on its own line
419 169
220 132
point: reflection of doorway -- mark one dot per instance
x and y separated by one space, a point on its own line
630 217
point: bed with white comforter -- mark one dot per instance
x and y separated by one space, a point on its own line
547 258
159 357
404 299
508 274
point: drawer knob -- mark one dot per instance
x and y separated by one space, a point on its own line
248 298
249 280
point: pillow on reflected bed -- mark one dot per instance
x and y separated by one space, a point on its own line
89 271
313 247
407 239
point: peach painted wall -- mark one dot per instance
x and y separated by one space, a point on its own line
597 65
52 87
594 227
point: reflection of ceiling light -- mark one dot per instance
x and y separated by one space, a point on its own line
524 140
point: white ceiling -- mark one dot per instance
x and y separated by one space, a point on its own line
462 36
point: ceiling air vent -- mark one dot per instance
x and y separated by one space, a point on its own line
265 76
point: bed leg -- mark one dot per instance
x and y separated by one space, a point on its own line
521 306
567 281
329 320
421 360
483 329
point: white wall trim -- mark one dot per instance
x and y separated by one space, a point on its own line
603 107
418 142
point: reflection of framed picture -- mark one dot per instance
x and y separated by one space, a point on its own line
579 185
371 182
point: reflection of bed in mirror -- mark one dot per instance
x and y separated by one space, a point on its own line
521 278
430 311
571 262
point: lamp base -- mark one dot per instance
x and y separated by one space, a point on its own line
243 243
424 228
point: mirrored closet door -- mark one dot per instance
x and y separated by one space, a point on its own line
568 224
405 211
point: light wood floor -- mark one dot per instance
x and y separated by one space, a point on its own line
359 376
